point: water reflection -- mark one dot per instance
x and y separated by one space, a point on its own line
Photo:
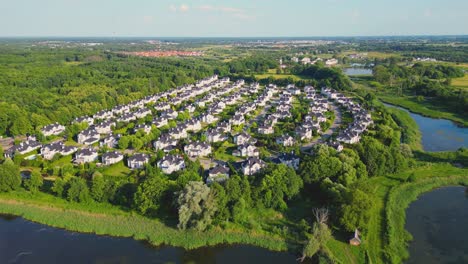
438 221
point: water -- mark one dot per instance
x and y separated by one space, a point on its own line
439 134
357 71
24 242
438 221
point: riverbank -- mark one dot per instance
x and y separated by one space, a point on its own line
104 219
422 108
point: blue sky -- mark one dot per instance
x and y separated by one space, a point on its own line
224 18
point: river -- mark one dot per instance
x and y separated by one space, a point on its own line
439 134
22 241
438 221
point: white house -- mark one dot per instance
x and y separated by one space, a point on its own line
252 166
53 129
171 163
137 161
86 155
218 174
197 149
286 141
111 157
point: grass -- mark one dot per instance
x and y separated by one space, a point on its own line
105 219
461 82
411 134
272 73
119 169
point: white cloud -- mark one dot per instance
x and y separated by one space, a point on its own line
184 8
181 8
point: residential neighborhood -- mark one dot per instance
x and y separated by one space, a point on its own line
214 121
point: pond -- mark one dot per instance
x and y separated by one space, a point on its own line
438 221
357 71
22 241
439 134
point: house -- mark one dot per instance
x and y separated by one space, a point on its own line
142 112
208 118
289 160
193 125
355 240
165 142
137 161
252 165
84 119
111 157
110 141
104 127
49 151
304 133
286 141
197 149
266 129
218 174
171 163
237 120
305 60
142 127
215 135
178 133
86 155
160 122
88 137
246 151
225 126
243 138
22 148
331 62
52 130
336 145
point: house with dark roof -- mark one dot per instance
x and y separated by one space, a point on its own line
137 161
111 157
252 165
85 155
218 174
171 163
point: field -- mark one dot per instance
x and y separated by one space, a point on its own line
461 82
272 73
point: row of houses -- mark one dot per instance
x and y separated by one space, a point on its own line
362 119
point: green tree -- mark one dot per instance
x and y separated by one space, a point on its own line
34 183
197 206
98 186
149 193
78 190
59 186
10 178
357 210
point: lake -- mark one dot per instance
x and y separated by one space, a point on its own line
439 134
357 71
438 221
22 241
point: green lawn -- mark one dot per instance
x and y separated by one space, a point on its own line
118 169
461 82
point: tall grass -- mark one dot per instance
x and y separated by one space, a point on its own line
108 220
411 134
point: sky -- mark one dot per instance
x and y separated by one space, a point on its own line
229 18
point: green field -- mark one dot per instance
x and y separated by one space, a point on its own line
461 82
